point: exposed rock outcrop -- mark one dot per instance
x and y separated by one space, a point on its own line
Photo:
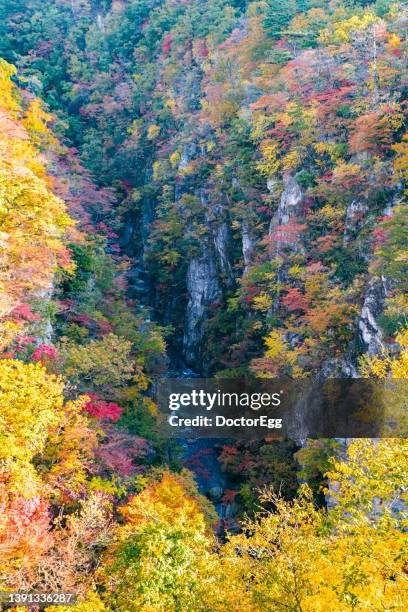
221 240
370 331
342 367
289 200
354 219
248 246
288 209
203 289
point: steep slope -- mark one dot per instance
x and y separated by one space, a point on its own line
199 187
230 141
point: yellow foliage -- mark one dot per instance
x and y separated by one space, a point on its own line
136 195
346 170
32 219
151 406
35 122
189 169
342 31
155 560
175 159
397 306
331 149
135 130
153 131
8 331
276 344
295 271
330 213
92 603
31 404
260 124
373 476
298 557
157 167
270 164
69 451
394 40
386 365
291 161
101 361
262 302
8 98
164 499
170 103
401 161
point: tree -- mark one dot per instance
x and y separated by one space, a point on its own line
31 405
390 256
278 15
25 535
100 363
33 220
401 161
350 557
45 450
154 561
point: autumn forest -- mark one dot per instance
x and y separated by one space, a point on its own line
199 188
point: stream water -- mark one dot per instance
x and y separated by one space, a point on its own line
201 457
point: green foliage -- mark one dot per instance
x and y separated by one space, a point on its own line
315 461
391 255
278 15
252 466
84 267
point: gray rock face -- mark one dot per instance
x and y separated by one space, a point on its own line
221 239
203 289
354 216
188 153
205 276
371 334
289 201
370 331
340 368
288 208
206 271
248 247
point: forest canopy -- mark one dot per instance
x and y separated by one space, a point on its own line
199 188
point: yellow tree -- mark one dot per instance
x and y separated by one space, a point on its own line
350 558
32 219
31 404
44 447
401 161
155 561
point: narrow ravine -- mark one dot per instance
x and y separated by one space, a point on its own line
201 457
